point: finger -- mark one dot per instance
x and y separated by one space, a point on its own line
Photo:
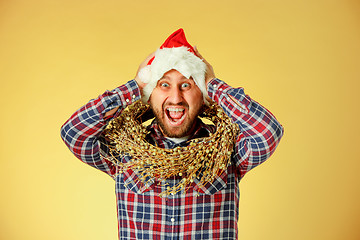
145 62
147 59
151 55
201 57
197 53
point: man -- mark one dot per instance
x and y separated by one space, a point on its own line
178 84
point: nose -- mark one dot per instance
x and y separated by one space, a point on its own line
175 95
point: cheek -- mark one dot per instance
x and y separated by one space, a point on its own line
196 99
156 99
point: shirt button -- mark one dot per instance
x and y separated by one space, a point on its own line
172 219
127 100
134 96
215 85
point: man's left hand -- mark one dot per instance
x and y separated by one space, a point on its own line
210 74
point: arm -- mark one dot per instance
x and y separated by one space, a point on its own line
82 131
260 131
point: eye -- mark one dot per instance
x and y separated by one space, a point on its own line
185 85
164 84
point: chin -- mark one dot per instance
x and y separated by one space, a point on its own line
176 132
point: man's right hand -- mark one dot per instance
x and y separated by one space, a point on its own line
143 64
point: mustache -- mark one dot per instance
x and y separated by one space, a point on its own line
181 104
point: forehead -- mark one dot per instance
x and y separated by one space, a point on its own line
174 75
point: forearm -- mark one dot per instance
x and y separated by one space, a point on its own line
82 131
260 130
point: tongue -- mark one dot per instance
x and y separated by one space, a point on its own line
176 115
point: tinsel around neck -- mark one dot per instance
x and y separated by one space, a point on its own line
203 158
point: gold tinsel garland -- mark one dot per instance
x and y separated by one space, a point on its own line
204 158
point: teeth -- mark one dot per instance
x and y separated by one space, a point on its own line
175 109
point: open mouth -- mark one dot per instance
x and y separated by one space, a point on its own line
176 115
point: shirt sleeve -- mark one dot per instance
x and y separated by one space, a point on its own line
82 131
260 131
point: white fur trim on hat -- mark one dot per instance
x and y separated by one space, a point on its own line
178 58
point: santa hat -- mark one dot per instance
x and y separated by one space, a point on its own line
175 53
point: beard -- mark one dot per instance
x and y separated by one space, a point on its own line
176 132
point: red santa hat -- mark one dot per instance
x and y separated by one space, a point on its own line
175 53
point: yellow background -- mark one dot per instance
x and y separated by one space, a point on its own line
299 58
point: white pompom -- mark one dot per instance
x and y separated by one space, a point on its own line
145 74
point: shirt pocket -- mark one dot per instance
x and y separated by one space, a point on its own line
219 183
133 183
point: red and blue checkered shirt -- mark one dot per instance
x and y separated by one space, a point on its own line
207 212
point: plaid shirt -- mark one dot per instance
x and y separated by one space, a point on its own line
208 212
